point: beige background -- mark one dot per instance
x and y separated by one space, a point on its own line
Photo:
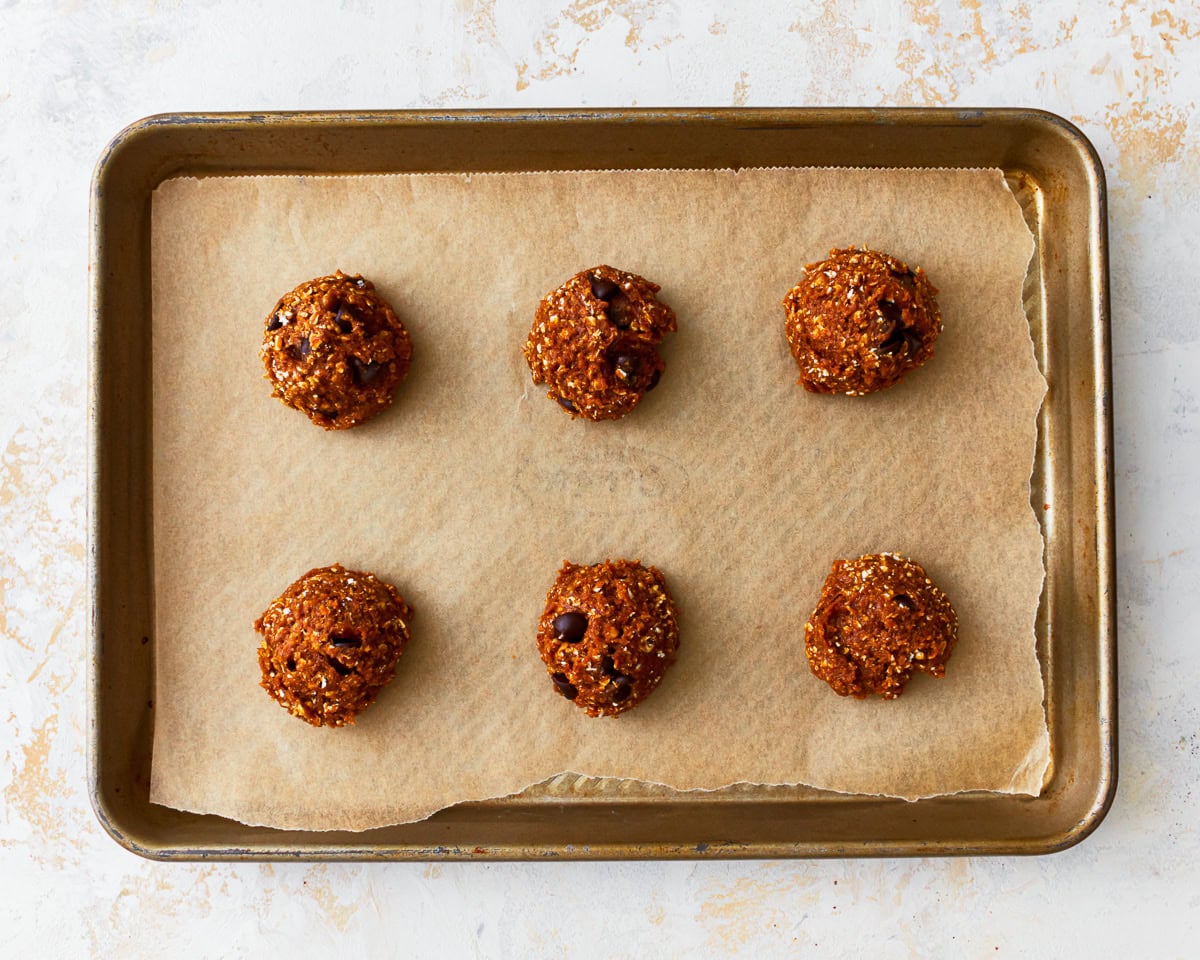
471 491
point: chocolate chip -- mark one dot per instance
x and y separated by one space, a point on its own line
274 322
291 663
891 312
603 289
903 601
567 405
913 339
622 687
564 686
341 668
654 378
365 373
618 304
345 641
896 334
607 667
618 312
907 280
343 319
893 344
302 349
628 367
570 627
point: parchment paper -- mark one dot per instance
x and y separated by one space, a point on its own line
471 491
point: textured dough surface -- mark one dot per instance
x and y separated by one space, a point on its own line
330 644
858 321
879 619
608 634
335 350
593 342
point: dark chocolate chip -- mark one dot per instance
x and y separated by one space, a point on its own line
570 627
622 688
618 304
891 312
907 280
567 405
654 378
275 322
365 373
302 349
291 663
913 339
341 668
628 368
894 336
893 344
342 320
603 289
607 667
618 312
903 601
564 686
345 641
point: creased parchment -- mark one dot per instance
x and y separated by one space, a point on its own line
471 491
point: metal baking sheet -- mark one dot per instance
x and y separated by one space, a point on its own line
1059 180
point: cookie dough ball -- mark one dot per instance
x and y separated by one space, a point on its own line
608 634
859 321
879 619
593 342
335 351
330 644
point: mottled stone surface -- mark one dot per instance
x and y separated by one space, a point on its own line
72 74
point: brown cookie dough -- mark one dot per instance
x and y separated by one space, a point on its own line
859 321
330 644
608 634
879 619
334 350
593 342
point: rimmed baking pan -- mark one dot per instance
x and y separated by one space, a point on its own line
1055 174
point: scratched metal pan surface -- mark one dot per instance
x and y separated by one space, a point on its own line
1059 179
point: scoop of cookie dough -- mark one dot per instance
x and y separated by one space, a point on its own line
608 634
879 619
859 321
334 350
593 342
330 644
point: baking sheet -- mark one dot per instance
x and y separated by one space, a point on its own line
474 488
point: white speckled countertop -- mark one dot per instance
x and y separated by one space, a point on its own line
73 73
